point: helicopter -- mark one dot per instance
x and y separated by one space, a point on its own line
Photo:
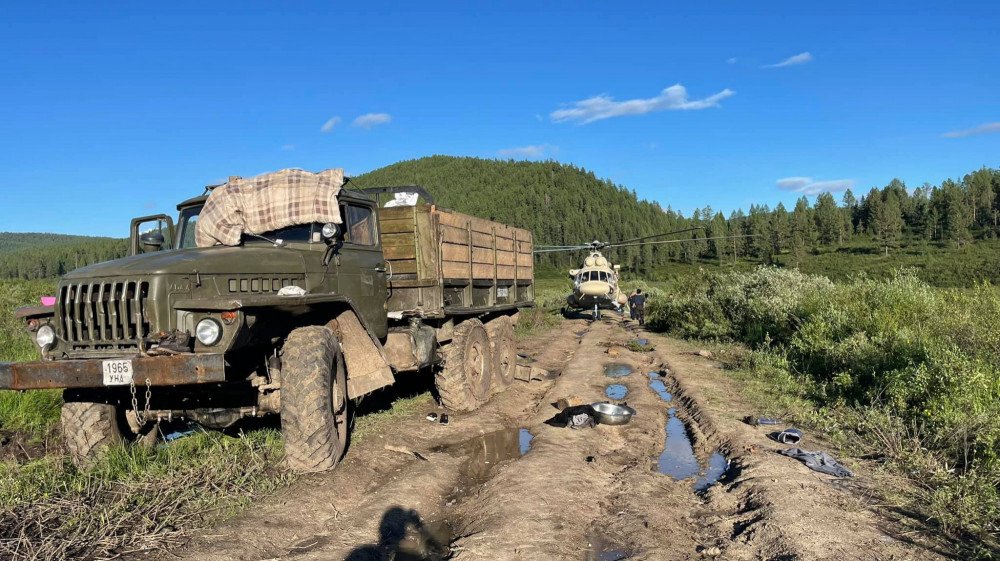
596 282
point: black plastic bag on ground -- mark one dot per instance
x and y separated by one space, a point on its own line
575 417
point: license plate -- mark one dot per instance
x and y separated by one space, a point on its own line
117 372
502 292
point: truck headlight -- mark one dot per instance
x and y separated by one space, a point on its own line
208 332
45 336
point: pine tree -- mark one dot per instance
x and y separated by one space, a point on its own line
956 214
780 228
802 230
888 223
829 222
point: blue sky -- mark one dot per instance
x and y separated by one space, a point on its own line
114 111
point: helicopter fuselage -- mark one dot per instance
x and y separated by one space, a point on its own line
595 285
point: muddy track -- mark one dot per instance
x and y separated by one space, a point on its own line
500 483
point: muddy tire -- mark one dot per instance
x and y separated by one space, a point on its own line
315 411
504 347
89 429
464 381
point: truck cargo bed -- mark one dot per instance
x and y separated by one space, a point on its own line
447 263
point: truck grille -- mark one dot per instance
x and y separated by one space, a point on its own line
103 314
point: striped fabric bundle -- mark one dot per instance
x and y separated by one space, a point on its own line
268 202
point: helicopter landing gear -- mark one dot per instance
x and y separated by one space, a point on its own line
597 313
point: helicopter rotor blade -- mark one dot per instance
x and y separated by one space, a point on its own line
655 236
691 240
556 249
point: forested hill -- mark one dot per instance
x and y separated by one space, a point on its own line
562 204
935 228
37 256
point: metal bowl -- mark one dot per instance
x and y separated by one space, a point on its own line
611 414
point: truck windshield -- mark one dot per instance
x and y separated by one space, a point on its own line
187 226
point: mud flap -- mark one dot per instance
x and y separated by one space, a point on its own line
367 366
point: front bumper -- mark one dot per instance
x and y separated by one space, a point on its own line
161 371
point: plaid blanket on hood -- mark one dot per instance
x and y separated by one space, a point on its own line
268 202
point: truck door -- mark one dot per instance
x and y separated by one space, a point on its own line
361 270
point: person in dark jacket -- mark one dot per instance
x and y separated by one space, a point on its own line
638 306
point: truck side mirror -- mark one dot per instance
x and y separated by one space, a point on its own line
158 234
151 241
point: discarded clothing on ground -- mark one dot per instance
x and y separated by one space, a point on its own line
789 436
757 421
818 461
575 417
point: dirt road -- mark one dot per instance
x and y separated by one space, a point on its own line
500 483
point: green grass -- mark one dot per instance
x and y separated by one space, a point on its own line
31 414
942 265
134 498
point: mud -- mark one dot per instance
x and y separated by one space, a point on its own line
499 483
600 549
718 463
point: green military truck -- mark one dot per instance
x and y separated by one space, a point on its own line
298 321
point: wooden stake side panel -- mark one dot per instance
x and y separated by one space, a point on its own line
428 249
495 249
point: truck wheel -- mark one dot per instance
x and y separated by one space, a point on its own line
315 410
89 429
464 382
504 346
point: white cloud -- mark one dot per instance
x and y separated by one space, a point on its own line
329 124
800 58
731 60
288 147
530 152
986 128
605 107
809 186
369 120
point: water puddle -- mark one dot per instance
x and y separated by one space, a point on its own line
641 341
524 438
600 549
617 370
616 391
678 459
425 541
657 384
717 466
483 453
581 333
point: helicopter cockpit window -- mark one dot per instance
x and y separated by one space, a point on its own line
604 277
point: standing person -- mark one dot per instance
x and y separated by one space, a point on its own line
631 304
638 306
